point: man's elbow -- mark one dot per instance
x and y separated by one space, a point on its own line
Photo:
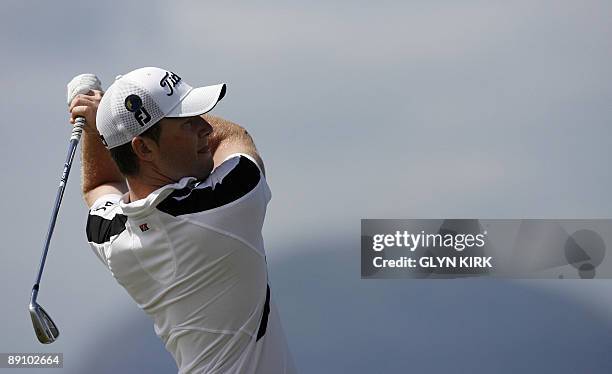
90 195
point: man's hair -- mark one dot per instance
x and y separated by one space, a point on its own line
124 156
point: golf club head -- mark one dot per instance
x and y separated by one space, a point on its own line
44 327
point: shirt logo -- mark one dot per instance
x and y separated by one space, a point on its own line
144 227
170 80
106 205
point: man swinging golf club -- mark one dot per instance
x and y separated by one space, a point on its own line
183 235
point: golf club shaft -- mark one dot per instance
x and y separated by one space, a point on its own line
74 141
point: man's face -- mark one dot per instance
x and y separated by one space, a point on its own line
183 148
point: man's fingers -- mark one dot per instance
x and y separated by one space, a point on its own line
93 97
83 111
85 105
80 111
80 100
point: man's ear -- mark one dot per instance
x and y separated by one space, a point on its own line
144 148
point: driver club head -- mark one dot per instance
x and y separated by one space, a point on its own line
44 327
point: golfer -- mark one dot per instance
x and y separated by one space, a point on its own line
177 203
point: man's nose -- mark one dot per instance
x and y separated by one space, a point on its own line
204 128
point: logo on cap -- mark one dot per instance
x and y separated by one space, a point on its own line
170 80
133 103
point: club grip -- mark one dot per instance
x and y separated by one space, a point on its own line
77 129
82 84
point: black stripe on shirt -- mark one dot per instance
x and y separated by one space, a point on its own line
100 230
264 317
242 179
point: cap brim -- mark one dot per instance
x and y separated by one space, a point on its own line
198 101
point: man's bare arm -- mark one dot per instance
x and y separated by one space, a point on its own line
228 138
100 175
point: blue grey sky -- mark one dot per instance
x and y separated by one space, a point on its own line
399 109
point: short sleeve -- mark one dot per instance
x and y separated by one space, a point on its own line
105 201
103 223
267 192
235 179
248 157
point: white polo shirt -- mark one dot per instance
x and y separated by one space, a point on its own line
192 256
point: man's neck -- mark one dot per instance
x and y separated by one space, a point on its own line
140 187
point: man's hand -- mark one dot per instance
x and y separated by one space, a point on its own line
86 106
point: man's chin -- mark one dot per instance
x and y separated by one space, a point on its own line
203 173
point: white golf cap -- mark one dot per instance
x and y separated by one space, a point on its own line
139 99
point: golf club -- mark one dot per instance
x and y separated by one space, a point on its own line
44 327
